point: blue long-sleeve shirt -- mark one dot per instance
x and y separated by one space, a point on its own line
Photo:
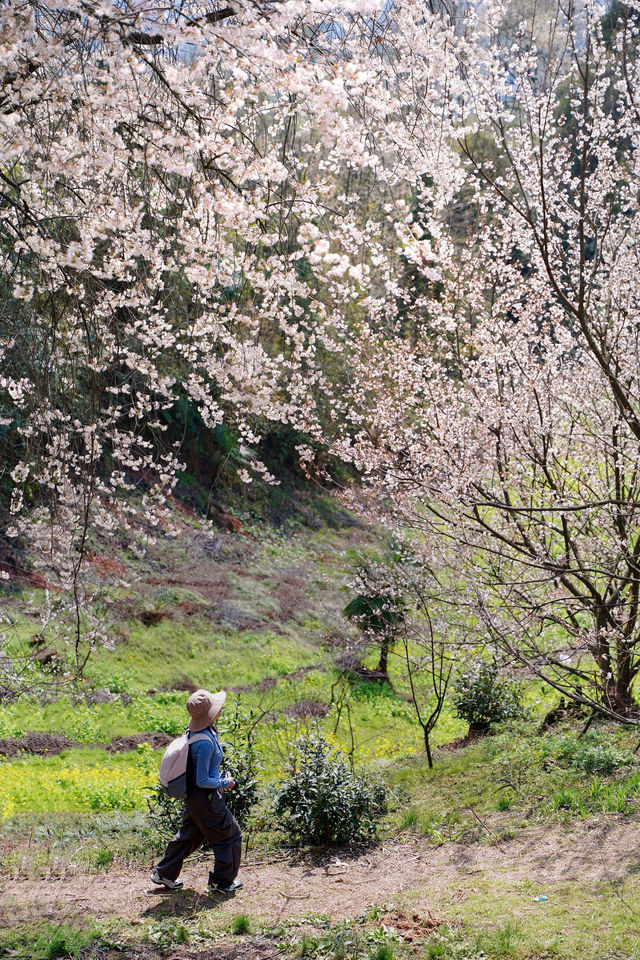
207 757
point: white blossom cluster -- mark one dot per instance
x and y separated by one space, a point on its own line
189 208
507 426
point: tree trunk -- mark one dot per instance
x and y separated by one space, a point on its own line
384 656
427 747
624 678
618 696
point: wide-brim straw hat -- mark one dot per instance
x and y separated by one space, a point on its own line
204 707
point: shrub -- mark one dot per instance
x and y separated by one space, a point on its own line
241 761
322 801
482 699
165 813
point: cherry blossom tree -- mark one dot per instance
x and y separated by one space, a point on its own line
190 203
513 420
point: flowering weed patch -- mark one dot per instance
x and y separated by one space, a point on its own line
78 780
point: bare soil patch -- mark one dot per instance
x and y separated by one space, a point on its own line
290 593
411 927
460 742
184 684
123 744
245 950
302 671
351 667
51 744
343 886
36 741
268 683
306 708
107 567
232 616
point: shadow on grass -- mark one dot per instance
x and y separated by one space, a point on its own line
182 903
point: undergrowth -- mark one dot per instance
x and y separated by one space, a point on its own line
42 940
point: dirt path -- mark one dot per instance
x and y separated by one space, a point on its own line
338 886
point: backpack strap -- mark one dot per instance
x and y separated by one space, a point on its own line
195 737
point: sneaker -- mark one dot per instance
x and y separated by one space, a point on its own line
231 888
165 882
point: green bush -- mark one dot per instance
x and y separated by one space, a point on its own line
165 812
482 698
322 801
241 761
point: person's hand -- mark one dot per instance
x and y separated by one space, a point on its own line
232 784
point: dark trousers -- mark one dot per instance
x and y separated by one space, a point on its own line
206 818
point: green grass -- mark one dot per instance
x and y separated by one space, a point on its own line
42 940
97 723
158 656
578 921
500 773
51 843
521 775
241 925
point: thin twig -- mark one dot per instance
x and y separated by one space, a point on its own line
631 909
488 829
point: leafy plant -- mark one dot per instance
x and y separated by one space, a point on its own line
166 932
241 924
383 952
103 857
165 812
449 943
482 698
593 755
322 801
565 800
241 760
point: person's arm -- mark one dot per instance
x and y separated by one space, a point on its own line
201 753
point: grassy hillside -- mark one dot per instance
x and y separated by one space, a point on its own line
259 613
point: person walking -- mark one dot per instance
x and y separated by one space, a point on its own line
206 816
